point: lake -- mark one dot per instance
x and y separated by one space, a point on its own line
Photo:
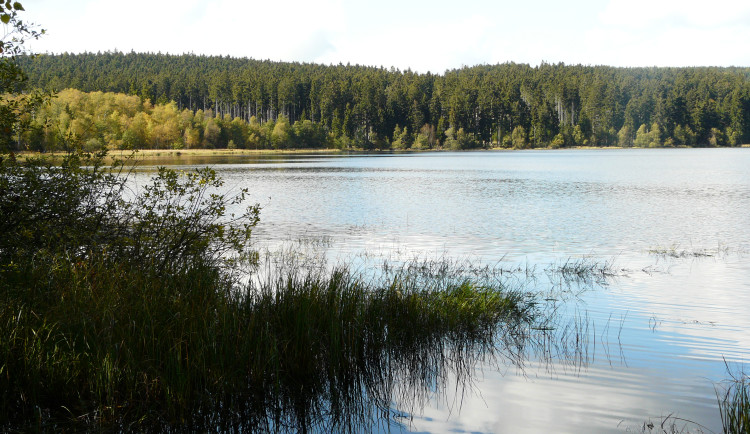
654 340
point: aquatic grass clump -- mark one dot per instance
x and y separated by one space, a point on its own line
675 251
345 347
733 397
583 270
734 403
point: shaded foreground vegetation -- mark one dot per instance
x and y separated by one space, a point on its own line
125 310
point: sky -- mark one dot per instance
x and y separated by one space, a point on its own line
421 35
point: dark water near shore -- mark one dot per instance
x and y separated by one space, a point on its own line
655 338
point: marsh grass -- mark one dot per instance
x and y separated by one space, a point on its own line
675 251
733 398
672 424
375 342
584 269
94 344
734 402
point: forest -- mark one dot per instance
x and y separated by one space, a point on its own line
145 100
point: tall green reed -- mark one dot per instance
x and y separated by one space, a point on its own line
734 403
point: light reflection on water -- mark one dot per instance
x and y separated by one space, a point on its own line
670 322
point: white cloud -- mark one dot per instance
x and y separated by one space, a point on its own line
422 46
670 33
290 30
680 13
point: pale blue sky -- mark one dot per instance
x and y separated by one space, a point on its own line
421 35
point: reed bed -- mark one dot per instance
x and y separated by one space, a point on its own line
675 251
105 345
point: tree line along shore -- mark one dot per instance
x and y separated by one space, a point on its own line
158 101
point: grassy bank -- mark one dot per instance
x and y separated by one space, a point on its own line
168 156
211 156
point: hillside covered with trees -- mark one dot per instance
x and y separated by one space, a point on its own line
133 100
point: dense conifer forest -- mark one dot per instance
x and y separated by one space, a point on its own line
143 100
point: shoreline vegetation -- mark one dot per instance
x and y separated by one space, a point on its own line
135 315
155 155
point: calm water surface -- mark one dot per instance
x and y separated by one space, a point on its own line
656 337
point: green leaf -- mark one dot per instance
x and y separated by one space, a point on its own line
5 18
17 6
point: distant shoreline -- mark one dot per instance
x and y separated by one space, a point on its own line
157 154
